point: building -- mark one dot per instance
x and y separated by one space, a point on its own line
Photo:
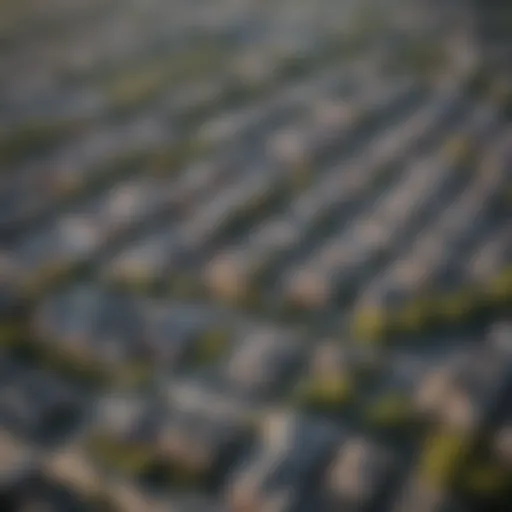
359 473
263 362
292 452
17 466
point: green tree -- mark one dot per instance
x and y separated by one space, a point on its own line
443 456
390 411
211 345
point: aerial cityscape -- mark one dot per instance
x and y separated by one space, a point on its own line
255 256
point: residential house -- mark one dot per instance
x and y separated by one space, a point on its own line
146 261
226 276
293 453
360 472
125 418
94 326
499 337
17 466
213 221
492 257
204 446
330 358
72 468
263 362
463 392
502 443
171 334
307 287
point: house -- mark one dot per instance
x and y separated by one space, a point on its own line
381 295
226 276
331 271
463 393
465 218
171 333
199 444
263 362
124 417
328 200
499 338
212 220
209 397
307 287
333 114
360 471
434 388
146 261
200 180
492 256
227 127
128 496
71 467
79 237
287 147
376 232
273 238
329 358
502 444
293 451
129 203
409 276
90 325
410 195
240 200
17 465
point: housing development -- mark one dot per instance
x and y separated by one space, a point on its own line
255 256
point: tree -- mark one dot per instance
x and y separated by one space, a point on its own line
211 345
487 480
443 457
325 392
128 458
369 326
500 288
391 410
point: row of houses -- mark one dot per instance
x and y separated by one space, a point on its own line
106 330
468 228
147 133
324 199
203 432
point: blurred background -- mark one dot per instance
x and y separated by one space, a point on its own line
256 256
